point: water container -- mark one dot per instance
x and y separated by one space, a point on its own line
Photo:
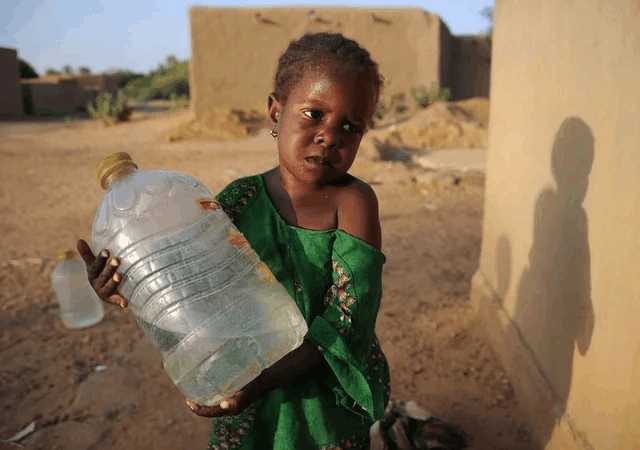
80 307
198 290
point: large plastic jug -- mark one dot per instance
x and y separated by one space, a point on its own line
197 288
80 307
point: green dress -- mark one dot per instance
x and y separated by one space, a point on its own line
336 281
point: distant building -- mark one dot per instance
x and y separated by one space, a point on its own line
53 94
235 51
64 94
98 83
10 97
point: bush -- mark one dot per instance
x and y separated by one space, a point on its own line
178 102
26 69
381 110
398 103
109 109
169 79
424 97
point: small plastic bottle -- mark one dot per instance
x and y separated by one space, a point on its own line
80 307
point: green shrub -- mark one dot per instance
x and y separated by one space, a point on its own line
109 109
381 110
399 103
178 102
424 96
169 79
26 69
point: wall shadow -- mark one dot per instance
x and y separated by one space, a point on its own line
554 312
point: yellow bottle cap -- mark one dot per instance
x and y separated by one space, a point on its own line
113 163
66 254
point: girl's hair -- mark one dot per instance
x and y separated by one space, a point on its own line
326 53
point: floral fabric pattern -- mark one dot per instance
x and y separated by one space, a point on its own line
229 432
341 297
235 197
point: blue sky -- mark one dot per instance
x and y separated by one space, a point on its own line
139 34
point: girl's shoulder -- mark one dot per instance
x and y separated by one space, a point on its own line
238 194
353 189
358 214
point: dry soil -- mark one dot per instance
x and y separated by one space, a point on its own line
48 194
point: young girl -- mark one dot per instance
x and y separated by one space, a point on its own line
317 229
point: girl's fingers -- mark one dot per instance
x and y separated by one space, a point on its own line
118 300
85 252
111 286
107 272
98 265
227 407
206 411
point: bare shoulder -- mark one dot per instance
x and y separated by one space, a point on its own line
358 211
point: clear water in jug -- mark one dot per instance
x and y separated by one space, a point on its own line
197 288
80 307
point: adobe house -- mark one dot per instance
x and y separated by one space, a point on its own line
11 103
557 286
53 94
94 84
235 51
65 94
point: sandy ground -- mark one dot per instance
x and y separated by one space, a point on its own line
48 194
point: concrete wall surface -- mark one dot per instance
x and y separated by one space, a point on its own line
10 96
558 285
235 51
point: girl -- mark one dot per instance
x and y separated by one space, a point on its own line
317 229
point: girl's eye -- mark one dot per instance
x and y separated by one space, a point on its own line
351 128
313 114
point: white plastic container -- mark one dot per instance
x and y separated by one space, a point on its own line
196 286
80 307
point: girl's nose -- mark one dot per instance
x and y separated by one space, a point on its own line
330 138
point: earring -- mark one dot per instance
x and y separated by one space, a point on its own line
274 130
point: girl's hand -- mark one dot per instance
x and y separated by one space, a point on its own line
102 274
231 406
286 371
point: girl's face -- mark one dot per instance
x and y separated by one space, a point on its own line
321 125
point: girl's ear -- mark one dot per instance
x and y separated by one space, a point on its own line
274 108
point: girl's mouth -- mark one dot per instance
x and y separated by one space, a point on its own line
317 161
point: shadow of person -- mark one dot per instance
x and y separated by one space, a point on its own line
553 311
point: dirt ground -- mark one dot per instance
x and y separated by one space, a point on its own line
48 195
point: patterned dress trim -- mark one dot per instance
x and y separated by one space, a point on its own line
352 443
340 296
235 198
229 431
